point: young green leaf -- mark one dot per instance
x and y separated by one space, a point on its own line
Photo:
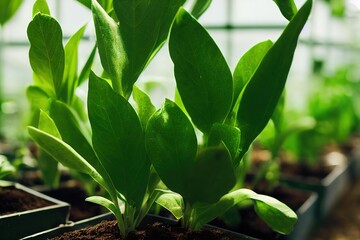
111 48
46 54
144 106
85 71
70 78
48 165
118 140
262 92
144 27
5 167
107 5
287 8
275 213
103 202
173 202
40 6
280 217
74 134
202 75
247 65
65 154
37 97
199 7
171 145
50 172
228 135
8 9
211 176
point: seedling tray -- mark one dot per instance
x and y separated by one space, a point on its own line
21 224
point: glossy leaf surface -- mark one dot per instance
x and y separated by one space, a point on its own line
171 145
287 8
144 27
247 65
199 7
202 75
47 57
111 50
228 135
199 176
144 106
173 202
64 154
118 140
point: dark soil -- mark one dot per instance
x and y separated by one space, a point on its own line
108 230
75 196
14 200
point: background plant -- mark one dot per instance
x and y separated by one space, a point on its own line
56 78
7 11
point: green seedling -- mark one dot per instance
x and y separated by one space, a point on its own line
229 112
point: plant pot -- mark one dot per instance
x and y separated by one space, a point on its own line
74 194
108 216
23 223
329 189
306 219
354 165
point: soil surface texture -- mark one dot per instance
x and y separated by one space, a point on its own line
14 200
108 230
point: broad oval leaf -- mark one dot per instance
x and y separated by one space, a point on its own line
144 27
275 213
47 58
261 94
118 140
211 177
202 75
173 202
171 145
228 135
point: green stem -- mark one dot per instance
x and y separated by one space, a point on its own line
187 219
